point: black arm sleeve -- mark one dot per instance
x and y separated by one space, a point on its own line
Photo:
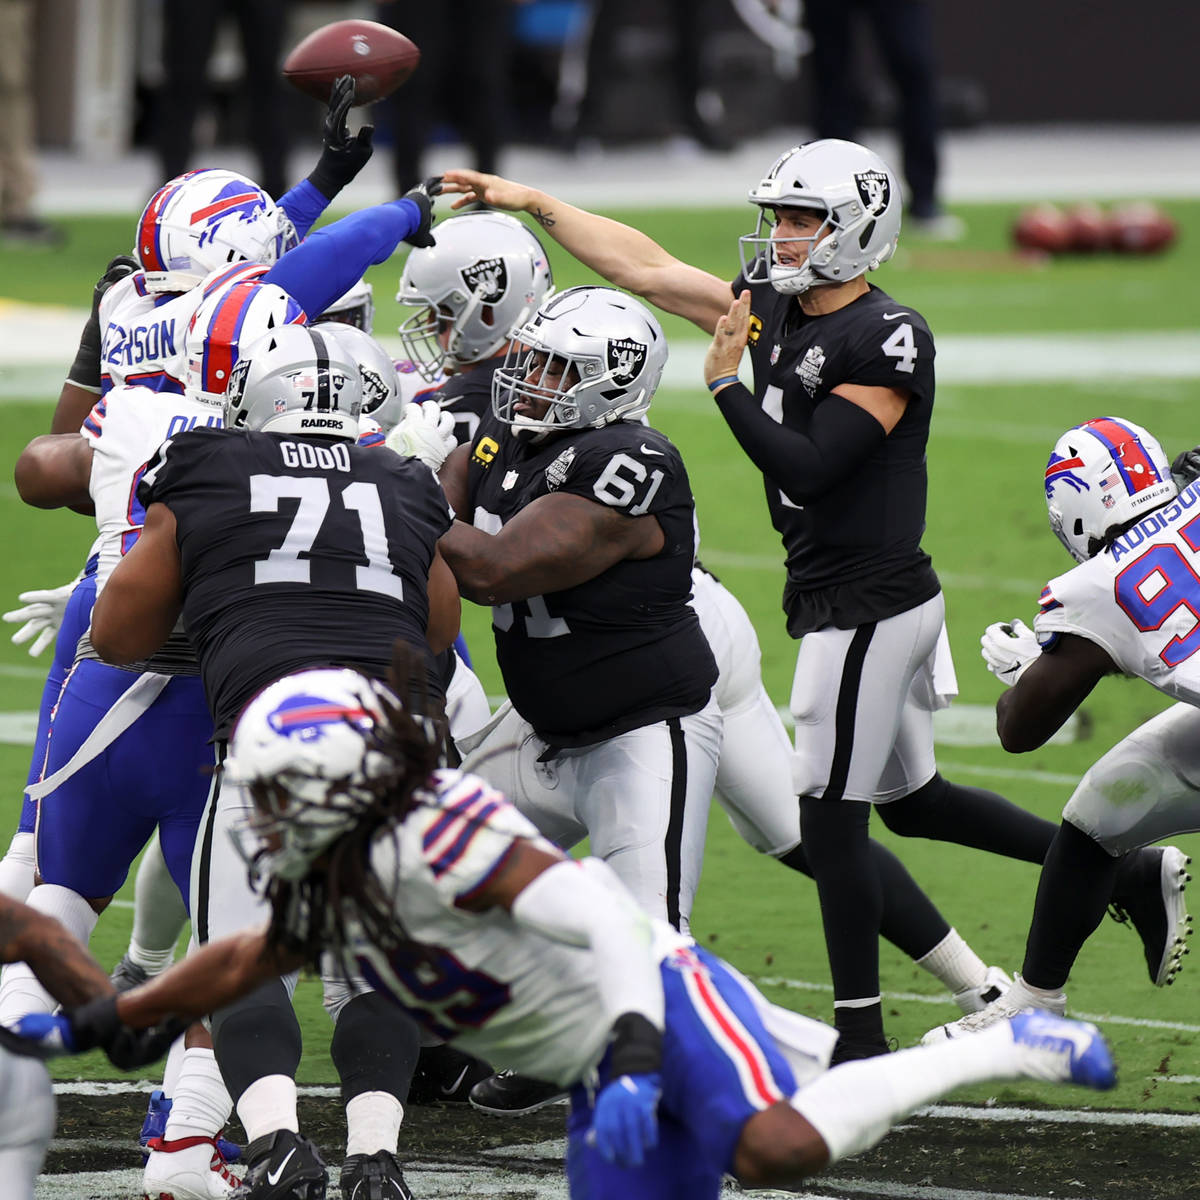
803 466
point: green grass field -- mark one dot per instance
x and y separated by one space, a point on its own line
988 536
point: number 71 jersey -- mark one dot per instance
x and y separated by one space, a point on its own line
1139 600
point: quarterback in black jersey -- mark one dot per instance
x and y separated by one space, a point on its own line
837 421
282 545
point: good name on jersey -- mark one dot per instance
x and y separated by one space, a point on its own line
323 458
142 343
1156 522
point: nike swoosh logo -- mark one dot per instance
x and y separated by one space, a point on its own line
893 316
449 1091
273 1176
657 453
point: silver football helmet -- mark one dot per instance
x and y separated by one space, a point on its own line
295 380
860 197
303 749
1106 472
485 276
590 356
354 307
381 398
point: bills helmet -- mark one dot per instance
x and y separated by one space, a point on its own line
227 319
303 748
296 380
589 356
355 307
857 193
485 276
1105 473
207 219
381 398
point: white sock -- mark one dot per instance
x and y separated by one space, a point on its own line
16 868
268 1104
20 992
159 913
373 1123
954 963
200 1105
173 1067
853 1105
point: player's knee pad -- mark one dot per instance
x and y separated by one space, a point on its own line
375 1047
1116 801
257 1036
337 990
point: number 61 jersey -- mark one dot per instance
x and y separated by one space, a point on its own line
1139 600
296 552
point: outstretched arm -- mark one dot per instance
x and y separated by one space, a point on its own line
621 254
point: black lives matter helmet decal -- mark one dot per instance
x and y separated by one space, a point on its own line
874 189
490 275
625 359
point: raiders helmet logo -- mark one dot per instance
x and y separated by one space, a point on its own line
625 359
488 275
375 390
875 190
237 380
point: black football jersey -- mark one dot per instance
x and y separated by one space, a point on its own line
861 541
295 552
623 649
468 397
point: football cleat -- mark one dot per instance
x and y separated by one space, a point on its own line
1060 1051
995 983
127 975
1160 915
508 1094
1016 999
189 1168
851 1049
155 1126
373 1177
283 1166
445 1075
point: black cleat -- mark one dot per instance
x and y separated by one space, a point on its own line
510 1095
848 1050
282 1166
1159 913
373 1177
445 1075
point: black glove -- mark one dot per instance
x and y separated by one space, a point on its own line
1186 467
343 156
85 370
97 1024
422 196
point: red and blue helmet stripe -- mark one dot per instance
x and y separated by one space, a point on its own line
223 335
149 250
1137 469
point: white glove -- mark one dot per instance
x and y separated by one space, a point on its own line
426 432
42 614
1008 649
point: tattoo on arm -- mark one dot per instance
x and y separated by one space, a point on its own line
544 219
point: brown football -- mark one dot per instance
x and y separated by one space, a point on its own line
1141 228
1042 229
380 59
1089 228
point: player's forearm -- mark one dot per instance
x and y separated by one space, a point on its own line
129 624
215 975
74 403
54 471
61 963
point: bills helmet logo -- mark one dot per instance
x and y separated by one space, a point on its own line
306 718
874 189
1063 469
234 199
625 359
488 278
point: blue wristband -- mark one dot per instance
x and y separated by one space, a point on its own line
720 383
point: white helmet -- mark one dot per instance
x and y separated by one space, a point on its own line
600 352
1103 474
355 307
295 380
860 198
303 748
486 275
226 320
381 398
207 219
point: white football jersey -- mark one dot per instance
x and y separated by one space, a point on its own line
144 333
1139 600
124 429
503 991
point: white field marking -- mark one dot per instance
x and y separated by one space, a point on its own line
18 728
811 985
1019 773
17 671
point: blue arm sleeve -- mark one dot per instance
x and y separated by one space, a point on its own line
325 265
303 204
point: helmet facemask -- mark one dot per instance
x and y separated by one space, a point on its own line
760 254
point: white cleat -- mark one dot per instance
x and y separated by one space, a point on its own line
1017 999
1161 916
189 1168
995 983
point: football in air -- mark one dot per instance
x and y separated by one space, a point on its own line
1141 228
1042 229
378 57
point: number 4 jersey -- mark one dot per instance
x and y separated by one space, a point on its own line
1139 599
295 552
